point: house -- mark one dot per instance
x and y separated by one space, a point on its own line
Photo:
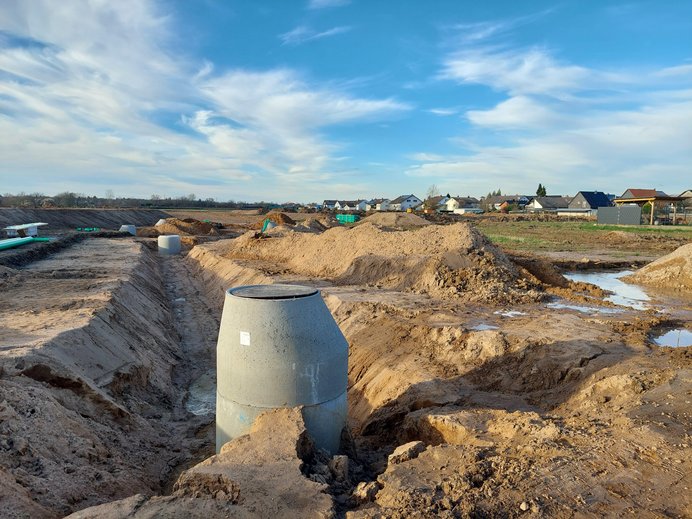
328 205
377 204
462 204
548 203
404 203
653 198
350 205
497 202
585 203
436 203
642 193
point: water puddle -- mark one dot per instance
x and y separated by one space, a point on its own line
584 309
675 338
624 294
509 313
201 399
482 327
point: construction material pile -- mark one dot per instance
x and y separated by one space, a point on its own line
673 271
276 217
186 227
449 261
396 220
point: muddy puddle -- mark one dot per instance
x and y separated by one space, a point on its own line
623 294
675 338
201 398
483 327
583 309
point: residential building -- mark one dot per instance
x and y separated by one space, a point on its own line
462 204
350 205
585 203
377 204
548 203
496 202
404 203
642 193
328 205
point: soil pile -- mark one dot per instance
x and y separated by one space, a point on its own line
276 217
256 475
673 271
188 226
396 220
449 261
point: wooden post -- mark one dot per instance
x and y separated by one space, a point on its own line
675 212
653 208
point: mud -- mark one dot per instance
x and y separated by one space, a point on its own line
548 412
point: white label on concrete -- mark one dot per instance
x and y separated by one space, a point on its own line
245 338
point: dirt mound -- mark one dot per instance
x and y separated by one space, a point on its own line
446 261
396 220
276 217
186 227
256 475
673 271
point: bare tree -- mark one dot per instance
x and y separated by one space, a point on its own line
432 191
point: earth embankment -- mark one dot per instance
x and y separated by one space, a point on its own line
71 218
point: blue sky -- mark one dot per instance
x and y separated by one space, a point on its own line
305 100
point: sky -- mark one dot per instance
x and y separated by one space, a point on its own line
308 100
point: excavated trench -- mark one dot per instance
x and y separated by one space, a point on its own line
123 361
99 341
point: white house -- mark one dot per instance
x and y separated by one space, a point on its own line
377 204
405 202
461 204
350 205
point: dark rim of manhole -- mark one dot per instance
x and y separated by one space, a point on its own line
272 291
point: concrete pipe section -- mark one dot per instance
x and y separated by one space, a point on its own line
129 228
279 346
169 244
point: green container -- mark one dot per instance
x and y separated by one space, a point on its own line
347 218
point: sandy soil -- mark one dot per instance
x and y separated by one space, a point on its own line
89 350
457 408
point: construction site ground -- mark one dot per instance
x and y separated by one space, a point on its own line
482 382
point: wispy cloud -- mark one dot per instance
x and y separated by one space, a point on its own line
443 111
474 32
94 94
561 121
303 34
323 4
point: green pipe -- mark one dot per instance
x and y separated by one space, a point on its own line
18 242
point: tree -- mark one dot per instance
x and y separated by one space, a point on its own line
541 191
432 192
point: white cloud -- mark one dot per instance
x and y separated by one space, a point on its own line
93 94
303 34
566 125
516 112
322 4
443 111
532 71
